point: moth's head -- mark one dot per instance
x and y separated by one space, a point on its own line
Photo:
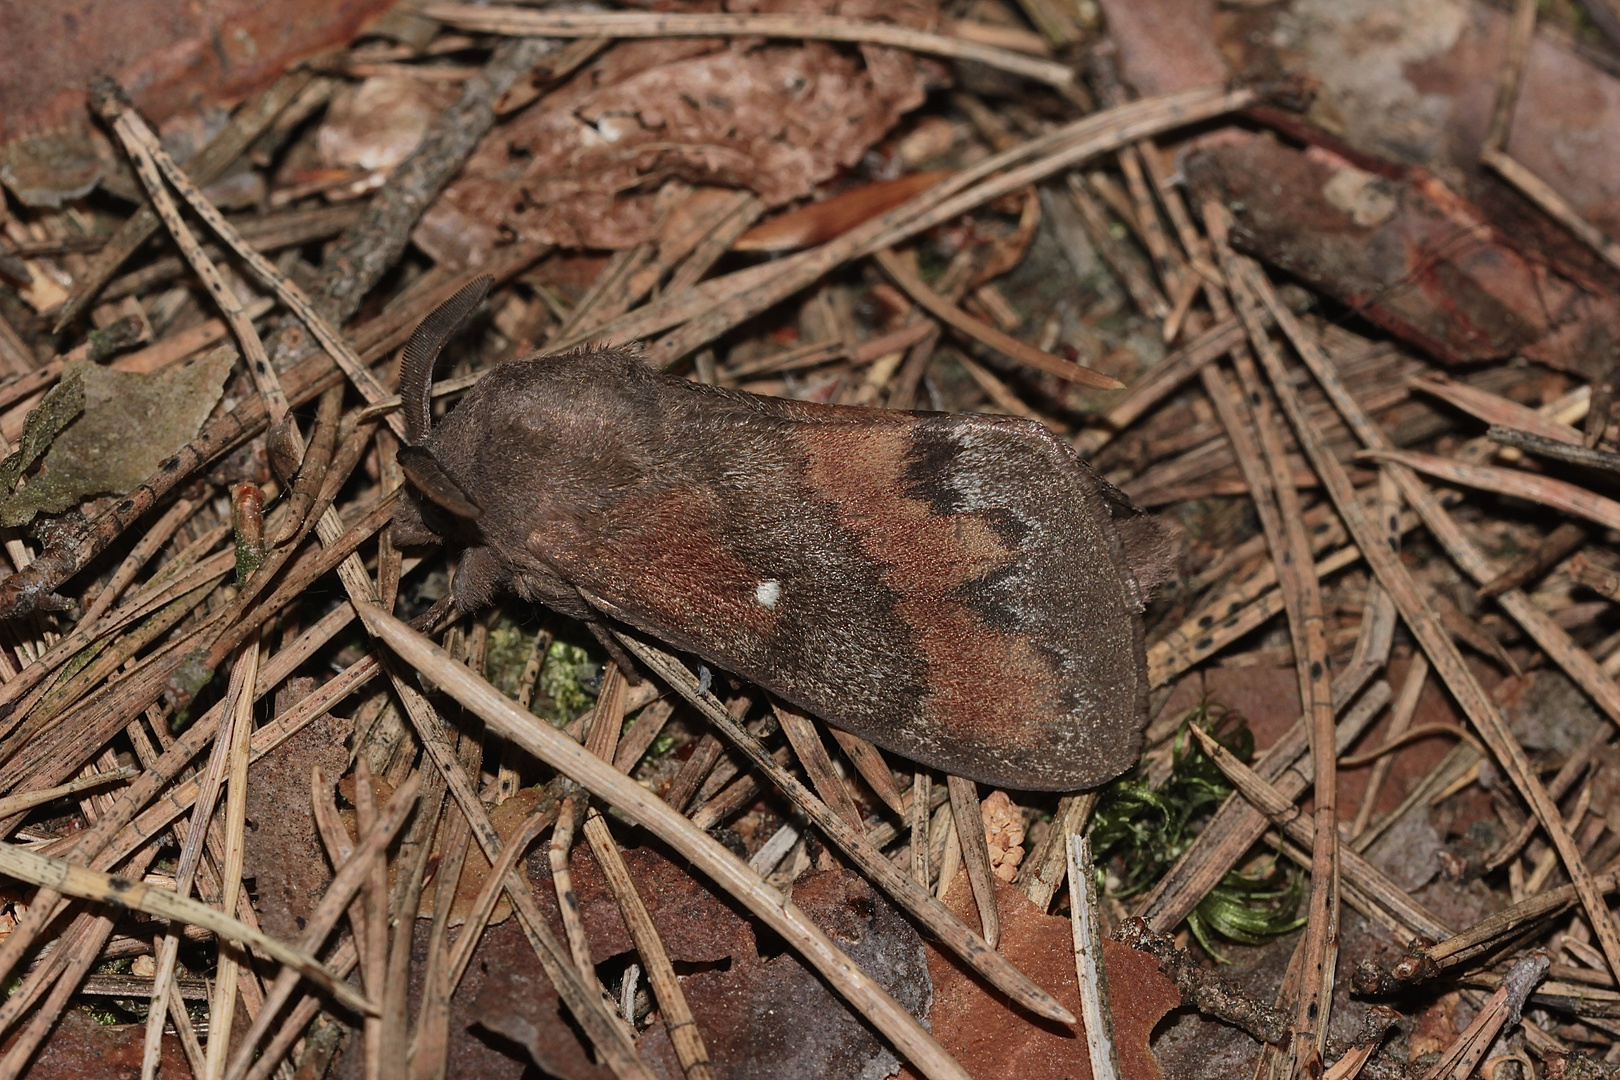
440 502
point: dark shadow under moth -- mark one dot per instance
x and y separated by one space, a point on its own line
962 590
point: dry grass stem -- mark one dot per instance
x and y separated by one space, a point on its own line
1095 1011
121 893
527 22
602 780
950 931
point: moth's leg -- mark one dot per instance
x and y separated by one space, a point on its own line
435 618
479 577
632 670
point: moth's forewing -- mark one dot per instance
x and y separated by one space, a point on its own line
951 588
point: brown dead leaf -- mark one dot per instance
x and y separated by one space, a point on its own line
174 57
282 851
508 818
1406 252
990 1038
580 168
81 1049
760 1015
774 1017
377 125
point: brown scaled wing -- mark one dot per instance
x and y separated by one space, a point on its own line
950 587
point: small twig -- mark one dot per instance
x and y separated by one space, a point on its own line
1393 742
1521 31
1501 1011
1557 449
945 311
1153 385
69 880
527 22
1206 990
1095 1011
1302 594
964 794
373 946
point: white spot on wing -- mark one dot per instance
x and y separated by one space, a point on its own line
766 593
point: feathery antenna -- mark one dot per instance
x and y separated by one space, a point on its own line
422 352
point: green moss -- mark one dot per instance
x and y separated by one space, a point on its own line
506 655
565 687
660 746
1142 831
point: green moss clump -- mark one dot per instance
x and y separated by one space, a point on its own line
506 655
566 683
1143 830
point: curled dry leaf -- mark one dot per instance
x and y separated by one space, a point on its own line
1003 834
581 167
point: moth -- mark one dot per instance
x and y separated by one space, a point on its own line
961 590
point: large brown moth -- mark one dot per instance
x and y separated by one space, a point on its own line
962 590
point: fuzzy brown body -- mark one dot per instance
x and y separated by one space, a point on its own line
958 589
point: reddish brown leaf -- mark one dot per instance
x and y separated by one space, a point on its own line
581 167
173 57
821 221
1407 252
990 1038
